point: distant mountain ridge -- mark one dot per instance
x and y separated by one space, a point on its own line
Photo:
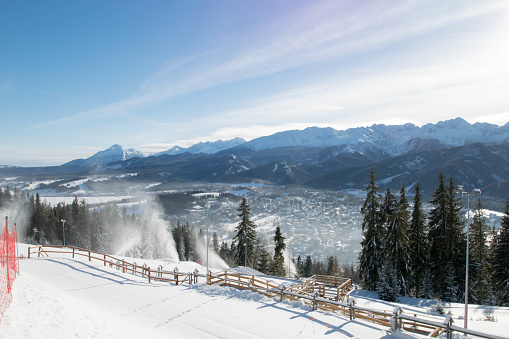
391 139
477 155
112 154
378 141
207 147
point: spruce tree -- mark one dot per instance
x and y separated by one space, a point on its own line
447 242
437 233
388 207
480 266
333 266
396 243
308 267
501 260
417 245
371 254
264 262
388 285
456 238
279 259
300 266
244 240
215 242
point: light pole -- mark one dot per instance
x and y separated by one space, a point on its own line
63 229
461 190
209 201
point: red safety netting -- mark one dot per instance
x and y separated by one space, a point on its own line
8 266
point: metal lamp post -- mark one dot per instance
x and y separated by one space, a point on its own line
209 201
63 229
462 191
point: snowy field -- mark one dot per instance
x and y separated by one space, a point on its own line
61 297
102 199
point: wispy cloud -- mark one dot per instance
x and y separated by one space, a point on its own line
322 30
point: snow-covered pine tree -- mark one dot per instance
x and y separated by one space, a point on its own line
388 207
396 242
300 266
278 267
225 253
427 285
264 262
245 236
308 266
388 286
456 237
480 266
451 290
215 242
501 260
418 245
446 240
371 255
333 266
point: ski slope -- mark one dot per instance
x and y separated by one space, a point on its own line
61 297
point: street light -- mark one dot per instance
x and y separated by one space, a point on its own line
476 191
63 228
209 201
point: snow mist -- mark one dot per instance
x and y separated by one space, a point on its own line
215 262
153 238
17 214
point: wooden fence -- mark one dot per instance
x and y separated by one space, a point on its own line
320 292
119 264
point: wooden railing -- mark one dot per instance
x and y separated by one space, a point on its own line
329 287
119 264
244 281
315 291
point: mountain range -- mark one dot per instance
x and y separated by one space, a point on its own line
476 155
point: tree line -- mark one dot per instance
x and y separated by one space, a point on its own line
248 249
108 228
407 252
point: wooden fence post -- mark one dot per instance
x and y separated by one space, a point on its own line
105 260
89 257
149 275
73 252
394 322
29 253
448 322
352 311
315 304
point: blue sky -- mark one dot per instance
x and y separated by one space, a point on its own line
79 76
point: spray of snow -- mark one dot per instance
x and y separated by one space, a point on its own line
215 262
18 215
289 264
153 239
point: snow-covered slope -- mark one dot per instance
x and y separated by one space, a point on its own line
62 297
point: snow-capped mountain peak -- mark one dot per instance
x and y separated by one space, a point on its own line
208 147
389 139
112 154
